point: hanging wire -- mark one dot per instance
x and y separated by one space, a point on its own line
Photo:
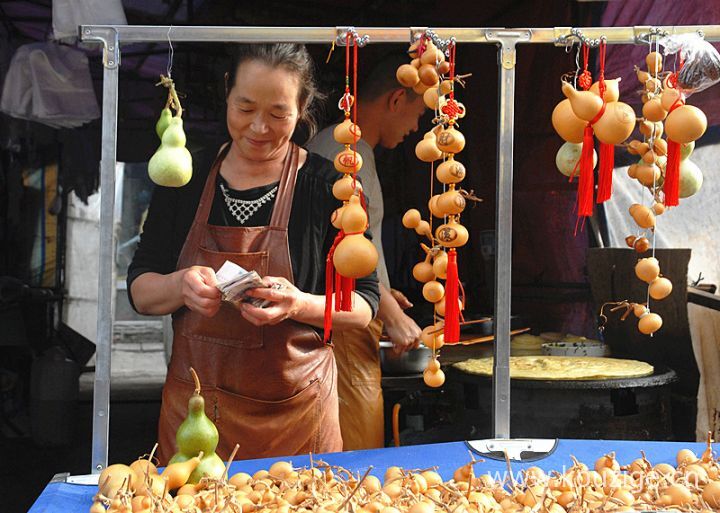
577 65
171 54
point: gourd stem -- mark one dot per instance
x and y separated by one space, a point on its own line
230 459
172 94
147 467
176 101
197 381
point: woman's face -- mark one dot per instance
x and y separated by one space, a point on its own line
262 110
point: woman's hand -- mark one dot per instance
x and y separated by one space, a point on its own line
198 286
287 302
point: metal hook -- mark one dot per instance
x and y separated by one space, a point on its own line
442 44
342 35
578 68
577 34
653 34
171 53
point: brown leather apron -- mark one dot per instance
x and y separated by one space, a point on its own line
357 352
272 389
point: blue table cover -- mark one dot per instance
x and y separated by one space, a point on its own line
73 498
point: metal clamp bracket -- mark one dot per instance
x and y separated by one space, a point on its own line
342 36
507 39
517 449
108 36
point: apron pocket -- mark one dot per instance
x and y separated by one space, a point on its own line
217 330
265 428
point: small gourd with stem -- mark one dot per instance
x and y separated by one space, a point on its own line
171 164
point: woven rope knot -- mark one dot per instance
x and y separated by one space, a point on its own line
346 102
452 109
585 80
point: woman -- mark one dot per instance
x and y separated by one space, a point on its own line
269 382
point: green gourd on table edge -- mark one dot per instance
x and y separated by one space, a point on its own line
197 434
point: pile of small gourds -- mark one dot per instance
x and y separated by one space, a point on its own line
690 485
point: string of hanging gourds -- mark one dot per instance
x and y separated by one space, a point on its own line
352 255
596 111
426 75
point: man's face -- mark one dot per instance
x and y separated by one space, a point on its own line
402 119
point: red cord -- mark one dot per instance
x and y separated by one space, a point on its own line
601 77
671 187
452 309
452 70
585 78
586 183
347 63
607 151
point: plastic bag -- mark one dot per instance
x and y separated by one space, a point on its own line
700 60
50 84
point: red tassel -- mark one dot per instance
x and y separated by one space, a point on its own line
331 278
605 175
452 309
671 185
586 183
327 321
347 286
338 291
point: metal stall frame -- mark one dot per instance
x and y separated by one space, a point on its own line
111 37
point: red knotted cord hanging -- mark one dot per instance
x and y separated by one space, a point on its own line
451 331
607 151
671 186
342 286
585 78
586 183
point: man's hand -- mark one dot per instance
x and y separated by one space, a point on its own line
401 299
403 332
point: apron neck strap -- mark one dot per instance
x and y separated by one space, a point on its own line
286 188
202 214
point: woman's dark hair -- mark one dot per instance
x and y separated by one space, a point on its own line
295 59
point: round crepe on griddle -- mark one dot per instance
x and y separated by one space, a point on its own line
561 367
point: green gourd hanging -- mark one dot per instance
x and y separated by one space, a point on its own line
163 121
171 164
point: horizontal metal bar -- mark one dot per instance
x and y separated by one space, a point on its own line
552 35
621 35
146 34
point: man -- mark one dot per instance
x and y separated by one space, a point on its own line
387 113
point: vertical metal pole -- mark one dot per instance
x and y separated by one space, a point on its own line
106 295
503 228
